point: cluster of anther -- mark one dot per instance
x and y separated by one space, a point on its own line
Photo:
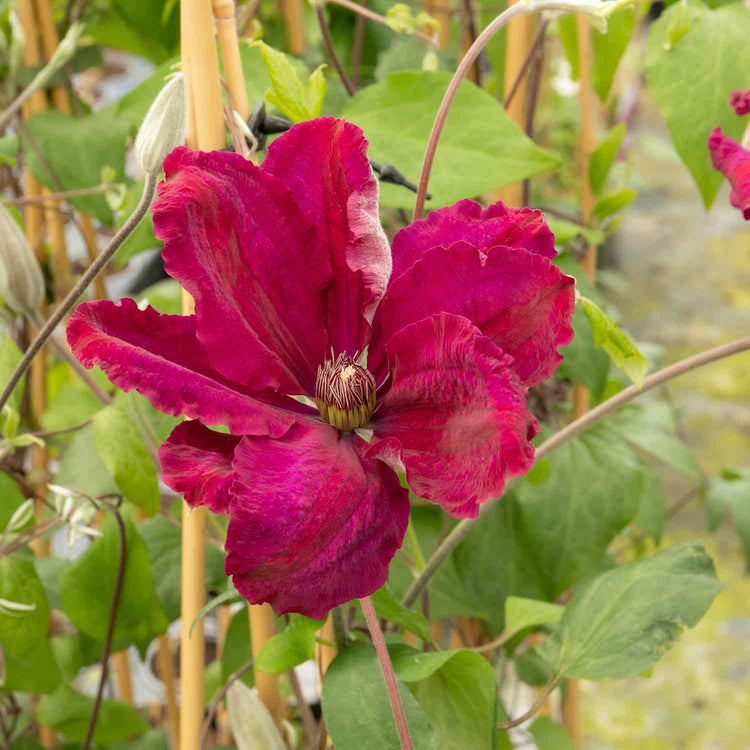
344 393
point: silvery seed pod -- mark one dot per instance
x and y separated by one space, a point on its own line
163 127
21 280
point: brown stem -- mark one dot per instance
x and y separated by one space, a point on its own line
52 197
367 13
80 287
531 104
326 32
63 431
460 532
527 62
110 629
357 46
308 720
538 703
390 678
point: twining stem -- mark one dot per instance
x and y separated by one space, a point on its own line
75 293
54 197
566 433
538 703
328 41
373 16
416 549
390 678
110 629
530 56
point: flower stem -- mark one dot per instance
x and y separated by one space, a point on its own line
460 532
373 16
110 629
416 549
73 296
387 667
326 32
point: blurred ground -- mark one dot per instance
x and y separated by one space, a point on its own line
688 274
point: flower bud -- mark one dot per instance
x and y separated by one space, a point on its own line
163 127
21 280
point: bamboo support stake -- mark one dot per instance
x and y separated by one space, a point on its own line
571 707
441 11
223 732
226 31
468 35
518 41
205 130
61 102
295 25
122 676
262 629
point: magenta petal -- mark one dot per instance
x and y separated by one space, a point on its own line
324 163
313 523
197 463
519 299
733 161
455 415
257 268
740 100
466 220
160 357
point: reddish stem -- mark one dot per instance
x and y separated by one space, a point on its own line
390 678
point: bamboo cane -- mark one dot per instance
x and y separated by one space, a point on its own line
167 675
518 40
61 102
571 707
262 629
223 732
226 31
34 227
295 25
205 130
441 11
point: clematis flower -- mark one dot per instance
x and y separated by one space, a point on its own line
740 100
310 335
731 159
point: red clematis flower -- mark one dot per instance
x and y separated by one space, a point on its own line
730 158
740 100
293 279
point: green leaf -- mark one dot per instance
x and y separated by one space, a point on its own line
165 296
77 149
651 513
142 237
612 203
153 739
120 446
9 150
679 23
730 492
164 541
19 583
34 671
610 337
69 712
523 613
480 147
651 428
225 597
459 700
566 231
603 156
500 544
297 100
583 361
609 49
82 469
237 649
295 644
407 53
568 31
157 425
623 621
72 404
87 588
549 735
690 81
11 496
10 356
568 522
356 706
388 607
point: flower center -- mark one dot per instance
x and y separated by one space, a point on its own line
344 393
